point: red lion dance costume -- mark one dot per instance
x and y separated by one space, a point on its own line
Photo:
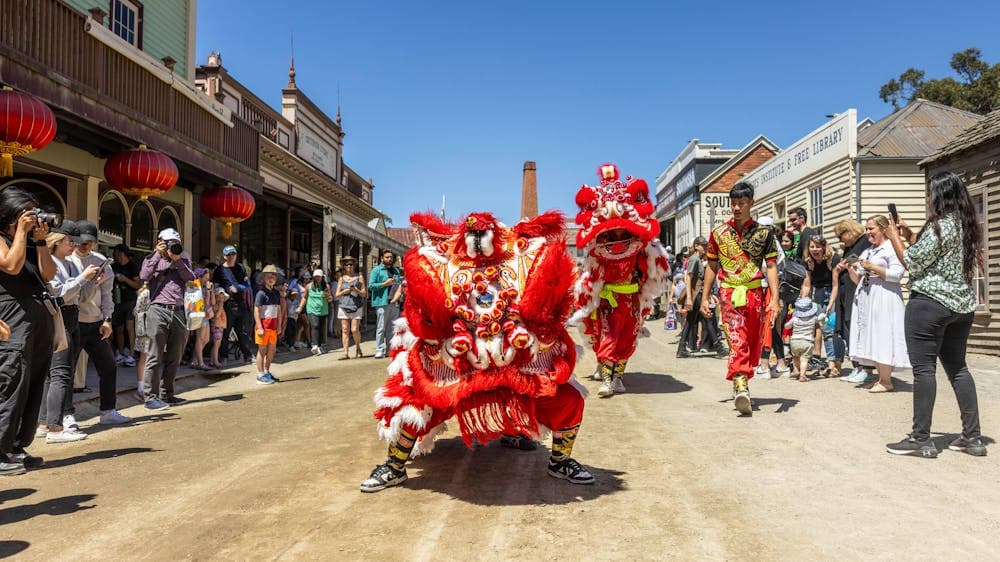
625 270
482 339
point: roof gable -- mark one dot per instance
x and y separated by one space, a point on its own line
985 130
916 131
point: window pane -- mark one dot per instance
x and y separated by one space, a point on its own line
112 224
142 227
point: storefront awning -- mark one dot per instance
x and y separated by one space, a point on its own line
357 229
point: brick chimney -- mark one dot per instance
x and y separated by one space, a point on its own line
529 192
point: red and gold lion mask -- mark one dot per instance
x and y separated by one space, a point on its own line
617 214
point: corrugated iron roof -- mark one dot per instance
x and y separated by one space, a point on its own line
988 128
916 131
406 236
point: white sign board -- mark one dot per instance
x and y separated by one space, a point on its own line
835 140
314 150
715 210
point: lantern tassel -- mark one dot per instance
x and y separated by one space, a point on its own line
6 165
227 230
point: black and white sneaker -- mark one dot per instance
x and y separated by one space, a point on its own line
570 470
384 476
911 446
974 447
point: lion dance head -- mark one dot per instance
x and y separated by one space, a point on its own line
616 217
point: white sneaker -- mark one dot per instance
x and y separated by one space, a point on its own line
113 417
300 345
619 386
41 431
606 390
69 423
597 376
64 437
129 361
742 403
118 358
761 373
316 350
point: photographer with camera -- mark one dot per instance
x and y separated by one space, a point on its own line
97 305
26 307
166 270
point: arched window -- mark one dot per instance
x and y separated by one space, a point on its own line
112 222
48 198
168 219
143 229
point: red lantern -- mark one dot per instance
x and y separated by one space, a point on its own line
228 204
26 125
141 172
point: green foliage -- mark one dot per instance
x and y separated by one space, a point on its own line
977 88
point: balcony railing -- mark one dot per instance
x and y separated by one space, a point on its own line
52 36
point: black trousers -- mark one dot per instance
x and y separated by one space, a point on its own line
934 332
24 363
317 327
59 384
237 317
710 336
103 356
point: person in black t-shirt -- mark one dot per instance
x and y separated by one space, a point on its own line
797 223
232 277
126 289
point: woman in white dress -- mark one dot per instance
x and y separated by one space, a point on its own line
877 336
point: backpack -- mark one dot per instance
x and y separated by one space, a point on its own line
792 273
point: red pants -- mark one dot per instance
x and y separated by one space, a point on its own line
562 410
744 327
616 329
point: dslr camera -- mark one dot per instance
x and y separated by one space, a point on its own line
51 219
175 248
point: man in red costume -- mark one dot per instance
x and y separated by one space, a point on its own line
483 340
626 268
736 251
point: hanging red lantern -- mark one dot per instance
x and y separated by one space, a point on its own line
141 171
228 204
26 125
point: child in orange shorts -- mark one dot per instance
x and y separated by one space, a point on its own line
269 319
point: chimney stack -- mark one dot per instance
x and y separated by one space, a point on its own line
529 192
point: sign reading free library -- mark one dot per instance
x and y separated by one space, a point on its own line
836 139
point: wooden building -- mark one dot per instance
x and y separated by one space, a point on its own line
975 155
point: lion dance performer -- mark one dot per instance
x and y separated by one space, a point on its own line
625 270
737 251
482 339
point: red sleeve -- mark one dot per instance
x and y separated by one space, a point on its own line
713 247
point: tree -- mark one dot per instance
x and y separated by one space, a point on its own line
976 90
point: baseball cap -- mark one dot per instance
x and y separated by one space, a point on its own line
168 234
88 231
229 250
318 273
765 221
70 229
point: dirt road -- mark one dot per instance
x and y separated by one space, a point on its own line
250 472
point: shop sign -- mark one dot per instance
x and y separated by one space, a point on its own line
715 210
667 202
835 140
317 152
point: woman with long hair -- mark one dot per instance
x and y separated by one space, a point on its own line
852 237
877 337
819 285
351 294
942 261
26 306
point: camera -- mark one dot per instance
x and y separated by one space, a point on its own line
175 248
51 219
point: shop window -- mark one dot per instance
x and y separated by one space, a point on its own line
143 227
982 288
779 215
816 207
111 228
48 198
168 219
126 21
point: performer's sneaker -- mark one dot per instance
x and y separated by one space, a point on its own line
597 376
606 390
384 476
911 446
741 395
570 470
619 386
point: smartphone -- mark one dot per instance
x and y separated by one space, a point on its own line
851 259
106 263
893 213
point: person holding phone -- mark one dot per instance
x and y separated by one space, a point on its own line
384 281
852 236
351 293
97 307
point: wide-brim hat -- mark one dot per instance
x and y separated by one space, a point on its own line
347 260
271 269
805 307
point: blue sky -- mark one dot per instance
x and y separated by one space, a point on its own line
450 98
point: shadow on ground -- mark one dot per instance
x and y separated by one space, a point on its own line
497 475
649 383
784 404
136 421
10 548
56 506
15 494
97 455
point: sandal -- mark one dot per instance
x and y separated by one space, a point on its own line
357 353
880 388
344 357
803 378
